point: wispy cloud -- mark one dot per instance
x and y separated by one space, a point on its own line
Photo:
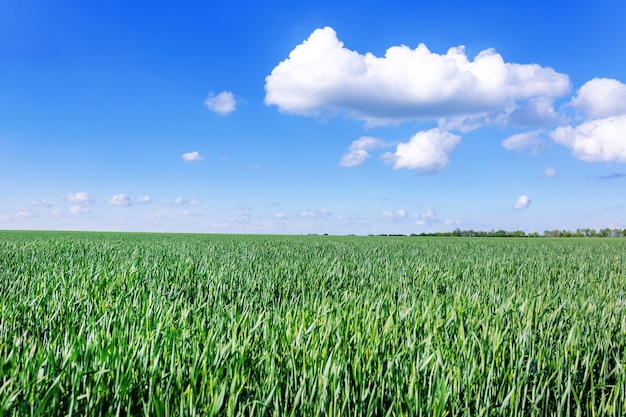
314 214
358 150
612 176
549 172
530 141
144 199
179 201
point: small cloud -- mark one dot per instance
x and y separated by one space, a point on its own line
80 197
400 214
549 172
429 216
357 152
23 214
244 218
182 202
78 209
314 214
192 156
144 199
531 141
164 214
522 202
41 203
451 222
281 216
223 103
120 200
427 151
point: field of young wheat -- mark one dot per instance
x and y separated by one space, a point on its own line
151 324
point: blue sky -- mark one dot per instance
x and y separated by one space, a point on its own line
325 117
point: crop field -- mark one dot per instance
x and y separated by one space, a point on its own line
158 324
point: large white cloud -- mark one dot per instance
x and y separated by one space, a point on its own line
321 77
426 151
223 103
601 97
599 140
358 150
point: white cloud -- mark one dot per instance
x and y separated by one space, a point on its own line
144 199
523 141
357 152
80 197
281 216
549 172
42 203
426 151
429 216
523 201
120 200
179 201
223 103
78 209
23 214
600 140
601 97
314 214
192 156
322 78
451 222
401 214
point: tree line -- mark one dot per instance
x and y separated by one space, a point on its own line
606 232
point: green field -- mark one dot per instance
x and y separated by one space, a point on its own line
155 324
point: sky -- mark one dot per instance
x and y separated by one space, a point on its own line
343 117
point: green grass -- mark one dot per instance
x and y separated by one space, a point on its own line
150 324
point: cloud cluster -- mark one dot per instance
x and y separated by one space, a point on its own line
315 214
321 78
420 219
600 138
223 103
426 151
358 150
400 214
179 201
81 202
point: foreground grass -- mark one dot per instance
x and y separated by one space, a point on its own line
132 324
